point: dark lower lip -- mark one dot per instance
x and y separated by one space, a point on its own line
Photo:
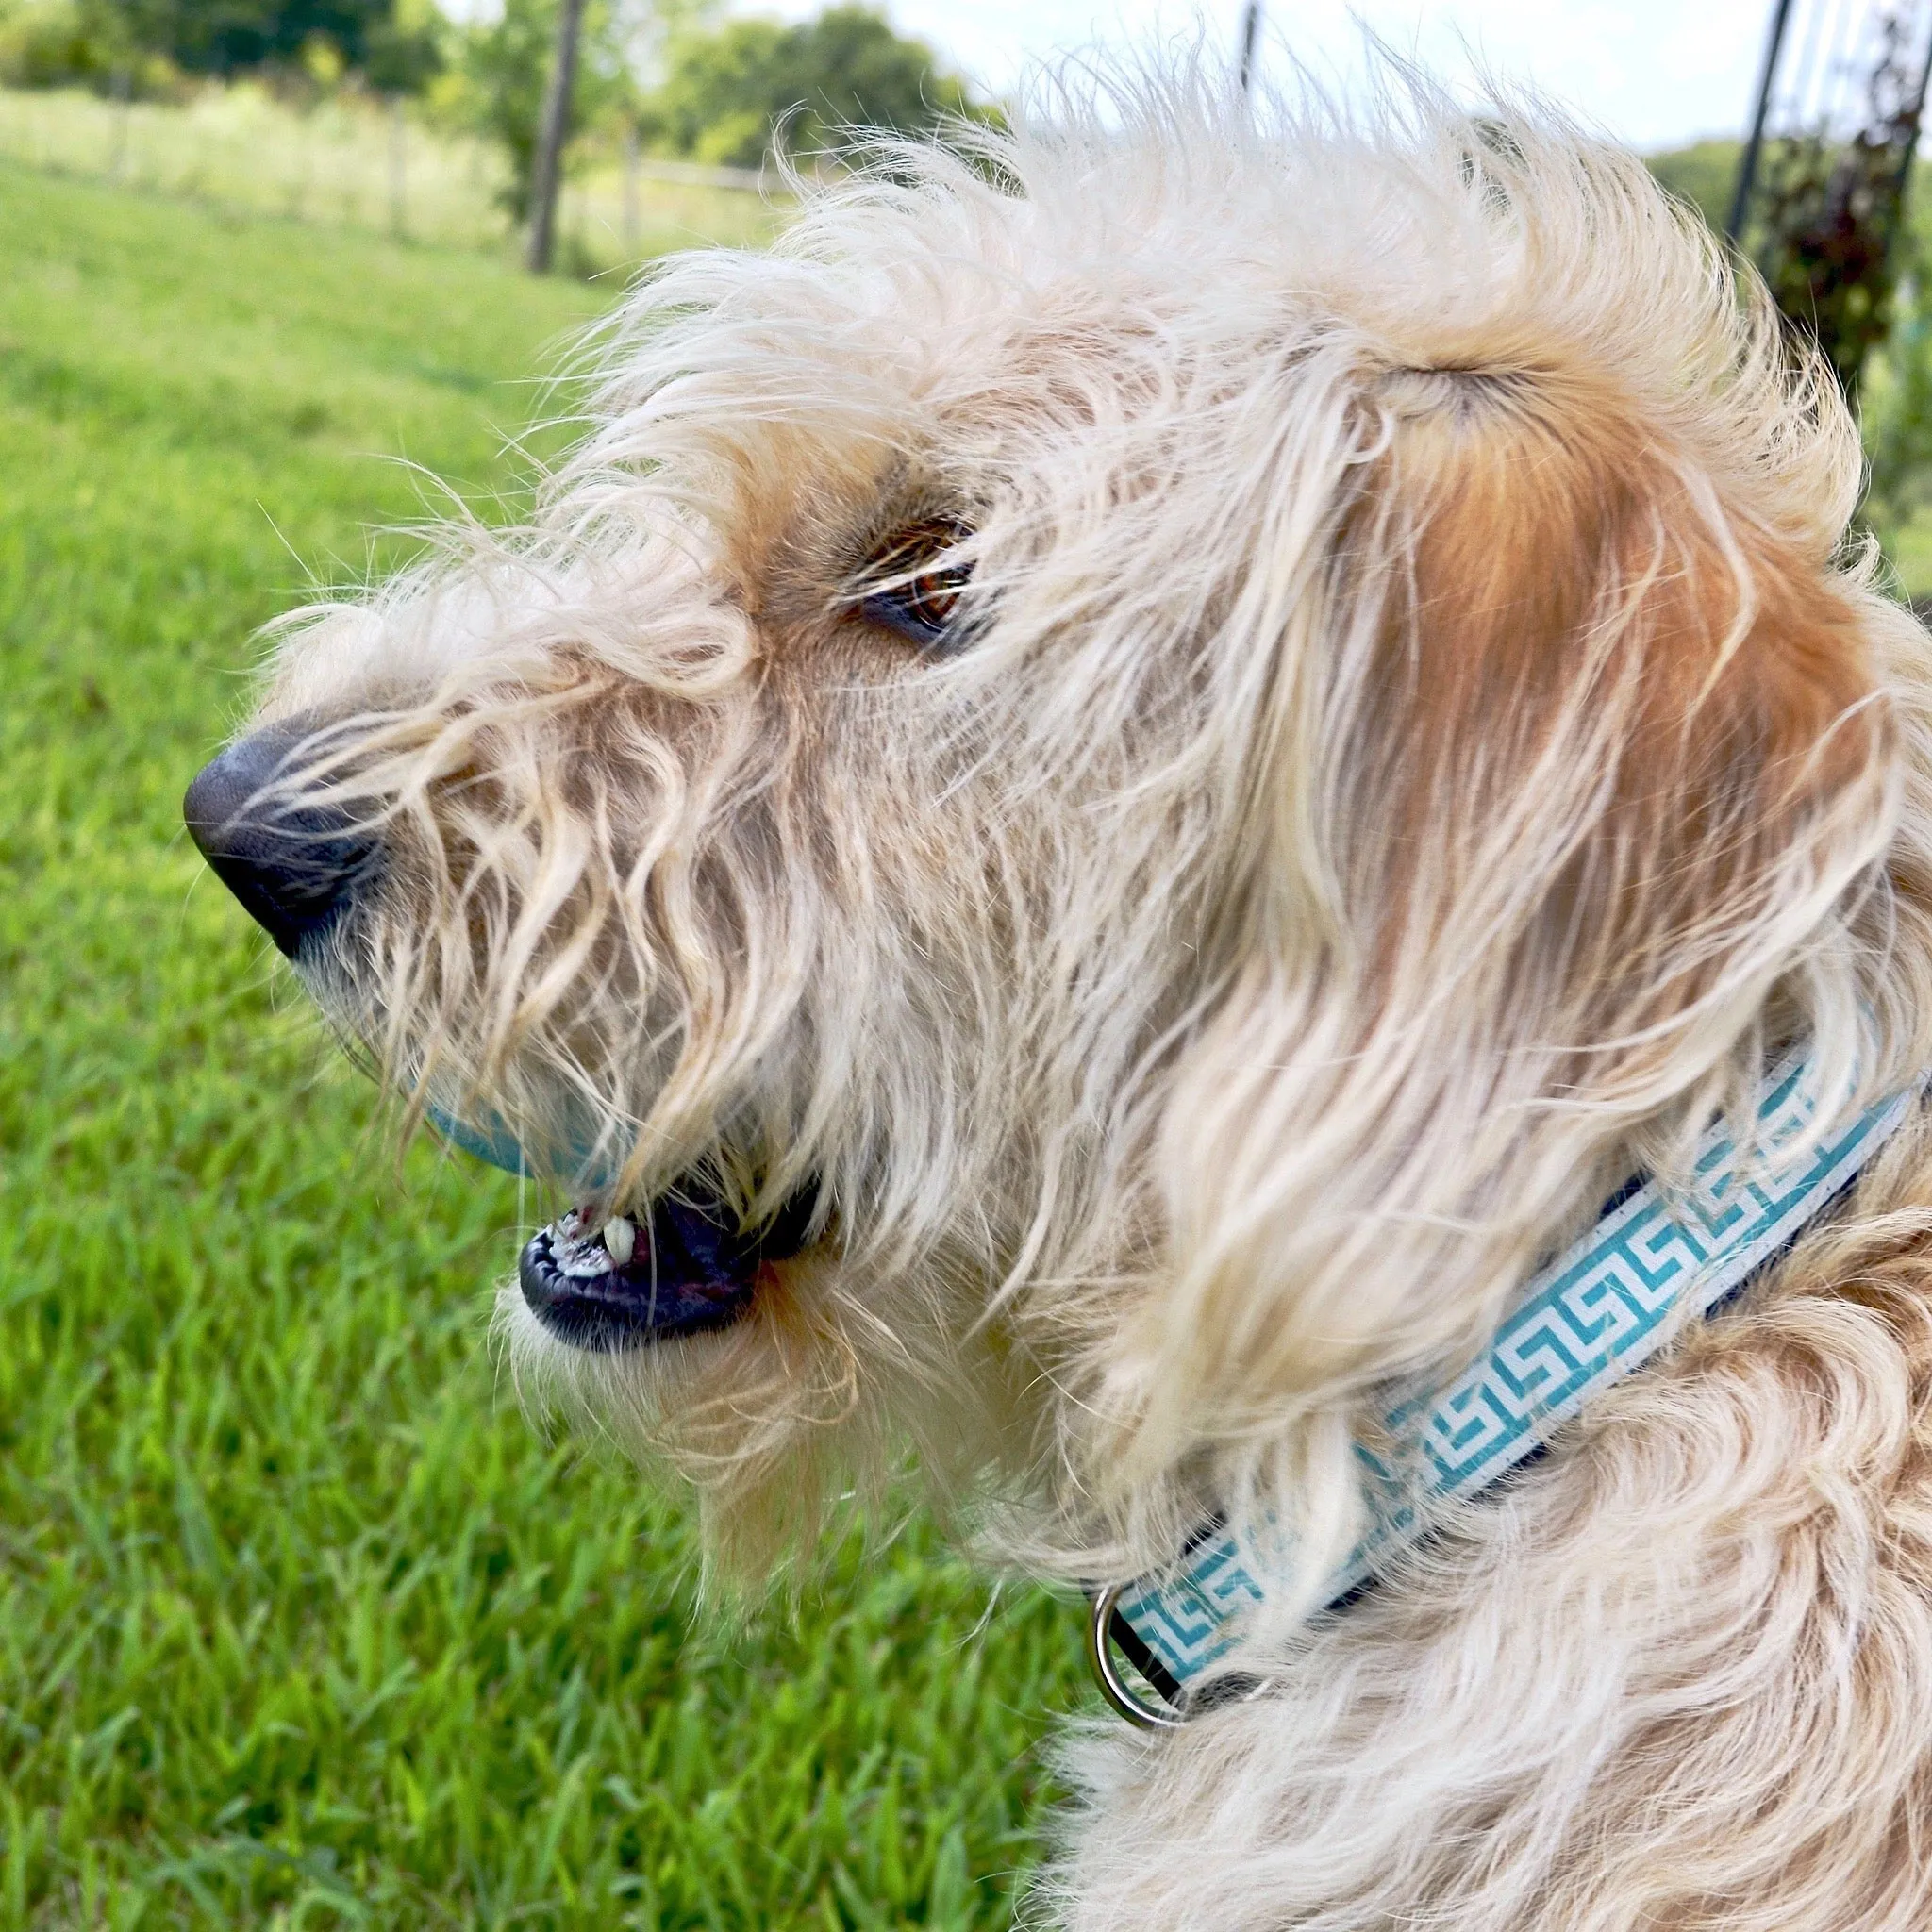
691 1271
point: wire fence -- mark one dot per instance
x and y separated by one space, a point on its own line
360 163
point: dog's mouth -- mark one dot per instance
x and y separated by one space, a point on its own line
685 1267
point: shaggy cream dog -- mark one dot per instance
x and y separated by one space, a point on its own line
1116 786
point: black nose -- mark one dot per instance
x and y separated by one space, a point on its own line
292 865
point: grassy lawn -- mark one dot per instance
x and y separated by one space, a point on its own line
335 163
300 1622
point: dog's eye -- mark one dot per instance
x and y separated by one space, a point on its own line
912 586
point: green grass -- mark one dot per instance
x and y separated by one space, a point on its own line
300 1622
241 149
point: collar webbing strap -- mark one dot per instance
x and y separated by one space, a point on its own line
1654 1261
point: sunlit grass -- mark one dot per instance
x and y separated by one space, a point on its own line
300 1622
352 163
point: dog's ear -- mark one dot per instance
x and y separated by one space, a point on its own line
1565 804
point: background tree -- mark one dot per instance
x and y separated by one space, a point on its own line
727 92
496 86
553 131
667 72
1895 403
65 43
227 37
392 45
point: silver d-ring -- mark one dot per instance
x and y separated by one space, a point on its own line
1114 1688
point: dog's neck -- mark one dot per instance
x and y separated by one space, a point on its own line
1655 1259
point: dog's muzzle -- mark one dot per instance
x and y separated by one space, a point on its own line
684 1268
293 864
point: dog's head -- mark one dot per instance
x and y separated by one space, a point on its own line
1114 782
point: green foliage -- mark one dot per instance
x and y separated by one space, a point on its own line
146 46
79 43
1706 175
233 36
497 89
51 43
1895 390
1895 399
727 93
403 50
301 1624
498 86
665 71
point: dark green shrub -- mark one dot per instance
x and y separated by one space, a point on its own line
728 93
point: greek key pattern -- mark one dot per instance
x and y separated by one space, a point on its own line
1608 1302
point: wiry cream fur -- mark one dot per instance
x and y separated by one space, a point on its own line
1419 744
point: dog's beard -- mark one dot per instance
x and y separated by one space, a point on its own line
595 1280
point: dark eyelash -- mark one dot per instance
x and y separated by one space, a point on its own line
921 605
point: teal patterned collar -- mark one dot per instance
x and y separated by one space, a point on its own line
1654 1261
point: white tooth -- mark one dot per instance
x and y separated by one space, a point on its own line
619 1240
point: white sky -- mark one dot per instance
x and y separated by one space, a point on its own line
1654 73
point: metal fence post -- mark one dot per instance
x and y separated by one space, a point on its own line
1251 32
632 221
124 91
1748 170
397 132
